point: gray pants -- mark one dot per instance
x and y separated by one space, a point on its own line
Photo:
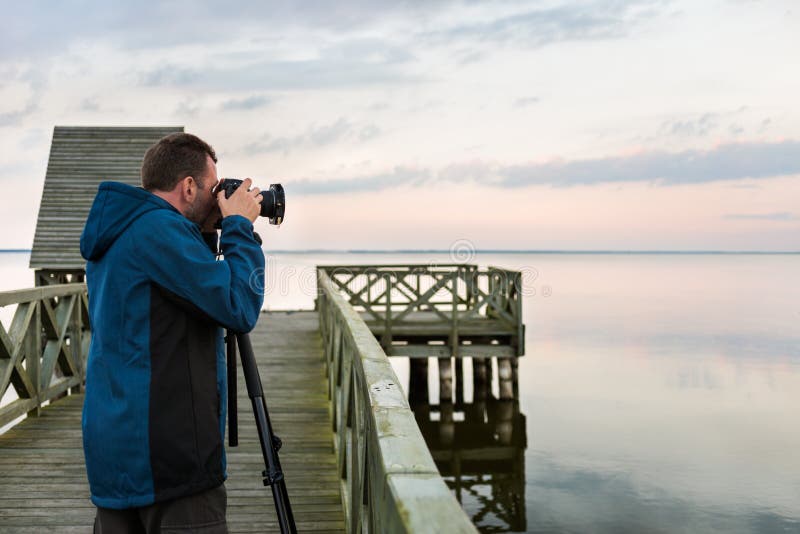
202 513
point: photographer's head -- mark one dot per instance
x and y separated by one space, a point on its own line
181 168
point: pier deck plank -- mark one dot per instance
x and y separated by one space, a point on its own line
427 323
43 482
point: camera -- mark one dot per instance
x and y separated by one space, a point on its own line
273 202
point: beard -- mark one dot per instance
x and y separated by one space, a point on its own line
198 211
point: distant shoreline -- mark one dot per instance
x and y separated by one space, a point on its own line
504 251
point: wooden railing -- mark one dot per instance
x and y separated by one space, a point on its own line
43 353
389 480
505 286
450 293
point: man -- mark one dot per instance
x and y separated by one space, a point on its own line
154 413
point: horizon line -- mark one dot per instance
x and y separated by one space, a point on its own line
528 251
497 251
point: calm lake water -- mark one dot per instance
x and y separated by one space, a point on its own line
658 393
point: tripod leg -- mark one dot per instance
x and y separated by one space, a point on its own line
273 475
233 420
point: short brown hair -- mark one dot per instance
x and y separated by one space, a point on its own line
172 159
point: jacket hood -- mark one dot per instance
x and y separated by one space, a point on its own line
115 207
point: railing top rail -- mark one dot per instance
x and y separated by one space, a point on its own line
18 296
398 266
422 267
503 269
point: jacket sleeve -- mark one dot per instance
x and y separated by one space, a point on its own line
172 252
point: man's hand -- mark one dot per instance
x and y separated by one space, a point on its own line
241 202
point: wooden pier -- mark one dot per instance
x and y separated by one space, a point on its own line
444 311
43 484
353 454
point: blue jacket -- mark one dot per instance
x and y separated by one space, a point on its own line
154 412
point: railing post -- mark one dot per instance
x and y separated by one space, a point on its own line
469 277
33 354
505 378
518 316
386 339
454 337
491 290
445 380
75 342
454 318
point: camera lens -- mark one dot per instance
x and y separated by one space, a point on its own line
273 203
273 200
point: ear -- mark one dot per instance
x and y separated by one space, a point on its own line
188 188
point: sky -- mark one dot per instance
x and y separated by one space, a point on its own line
566 125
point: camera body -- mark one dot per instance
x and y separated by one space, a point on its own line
273 201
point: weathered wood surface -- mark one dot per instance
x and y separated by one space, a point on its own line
42 477
429 323
80 158
389 480
424 335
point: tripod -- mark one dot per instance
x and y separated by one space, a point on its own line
270 443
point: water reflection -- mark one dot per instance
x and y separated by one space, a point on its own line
479 449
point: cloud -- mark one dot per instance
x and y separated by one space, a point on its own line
468 56
728 162
38 27
327 134
355 61
10 172
35 85
169 75
350 62
573 21
699 126
89 104
735 129
775 216
323 73
314 137
246 104
398 176
33 138
96 103
738 121
187 108
370 131
525 102
14 117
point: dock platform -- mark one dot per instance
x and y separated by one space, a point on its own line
44 486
